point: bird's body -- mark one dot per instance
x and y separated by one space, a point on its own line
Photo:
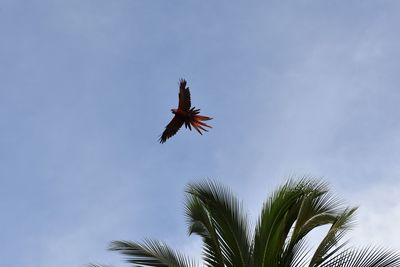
184 114
180 113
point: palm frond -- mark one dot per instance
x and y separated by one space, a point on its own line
227 218
318 208
278 215
151 253
342 223
200 223
366 257
299 254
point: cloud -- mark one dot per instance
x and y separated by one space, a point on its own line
378 214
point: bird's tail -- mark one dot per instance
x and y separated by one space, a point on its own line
197 121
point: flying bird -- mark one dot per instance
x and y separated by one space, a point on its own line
184 114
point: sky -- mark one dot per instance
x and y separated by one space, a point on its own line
295 88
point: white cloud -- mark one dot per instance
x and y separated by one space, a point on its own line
378 215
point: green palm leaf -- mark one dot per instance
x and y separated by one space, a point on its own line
229 224
277 217
366 257
151 253
202 224
340 225
289 215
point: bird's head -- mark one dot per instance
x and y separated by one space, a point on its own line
173 110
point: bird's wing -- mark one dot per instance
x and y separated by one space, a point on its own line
170 130
184 96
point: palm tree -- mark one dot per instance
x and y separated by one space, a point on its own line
279 237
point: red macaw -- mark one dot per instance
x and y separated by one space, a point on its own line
184 114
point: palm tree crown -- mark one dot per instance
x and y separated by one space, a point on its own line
279 237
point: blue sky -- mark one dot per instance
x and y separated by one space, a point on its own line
305 87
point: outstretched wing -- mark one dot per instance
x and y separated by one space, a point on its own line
184 96
170 130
